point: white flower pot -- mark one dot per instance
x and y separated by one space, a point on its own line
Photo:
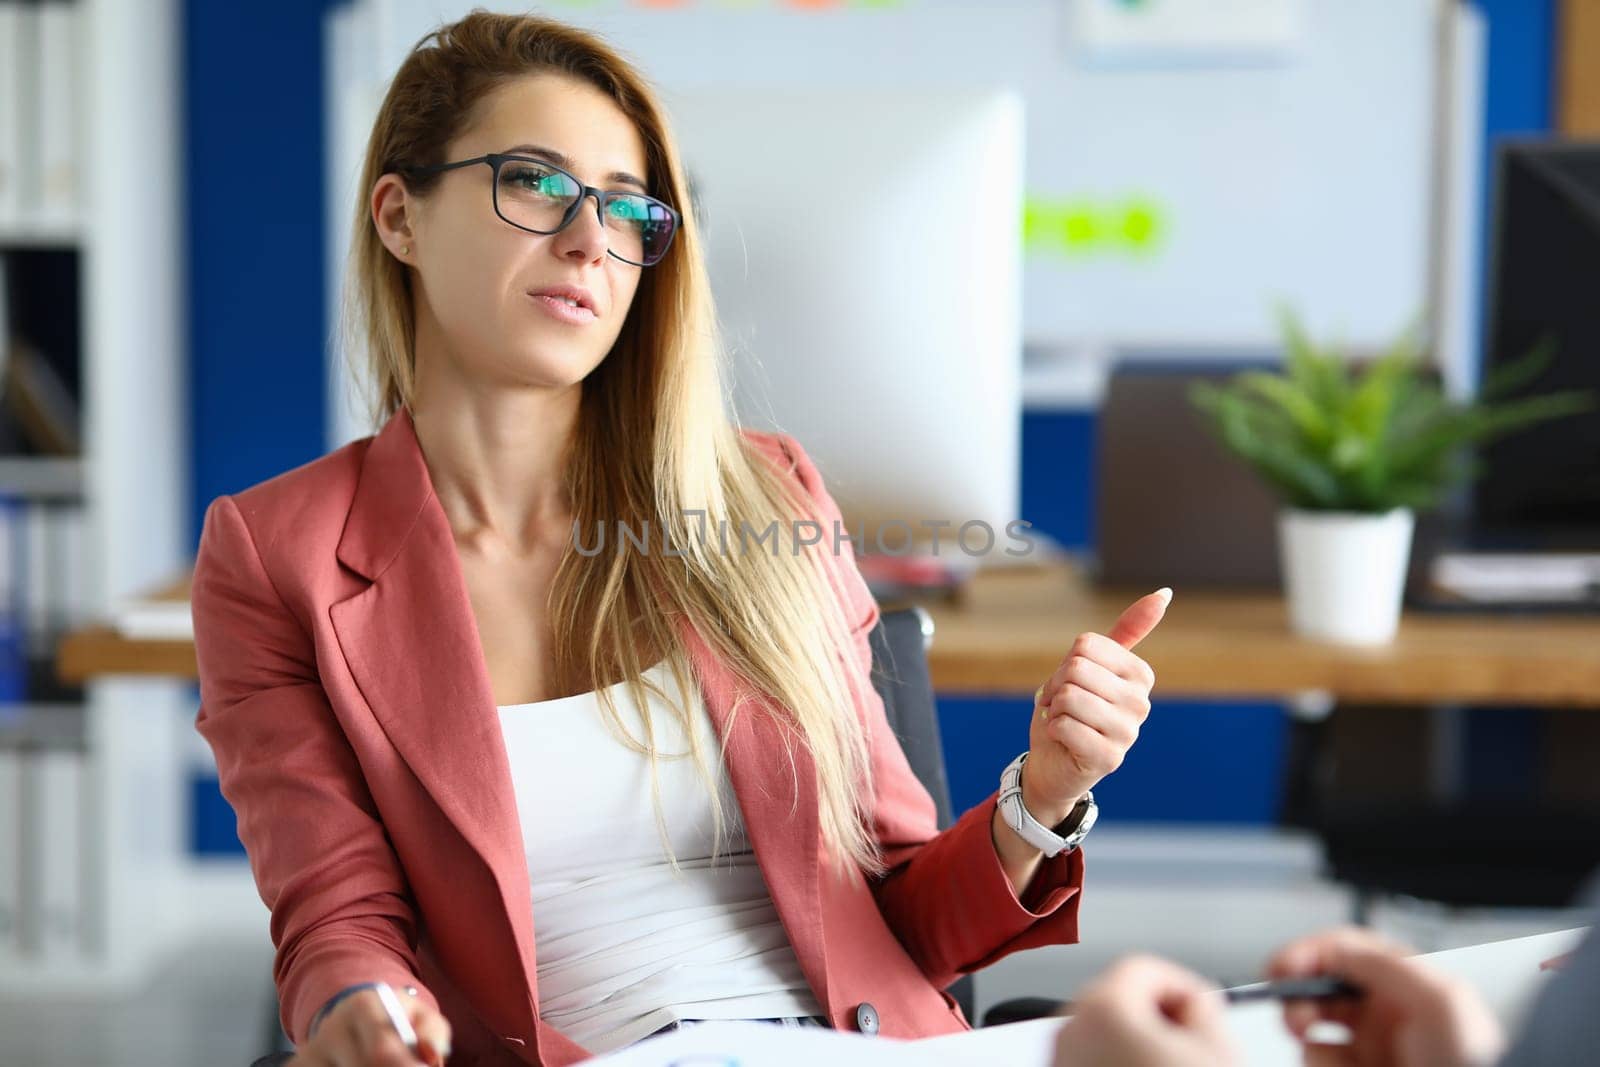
1345 572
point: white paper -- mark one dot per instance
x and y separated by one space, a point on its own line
725 1044
154 620
1506 576
1506 973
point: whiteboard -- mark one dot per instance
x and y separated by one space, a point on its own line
1302 175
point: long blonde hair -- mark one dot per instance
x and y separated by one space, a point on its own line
654 444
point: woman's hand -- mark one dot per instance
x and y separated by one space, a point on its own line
1146 1012
358 1033
1409 1015
1089 712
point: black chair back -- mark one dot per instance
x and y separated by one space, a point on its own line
900 675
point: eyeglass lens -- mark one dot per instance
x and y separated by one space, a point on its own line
538 197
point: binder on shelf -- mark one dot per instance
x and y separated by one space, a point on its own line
30 849
14 93
72 537
13 622
10 845
57 112
37 565
5 282
63 559
60 771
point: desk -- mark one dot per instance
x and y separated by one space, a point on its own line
1505 973
1010 626
99 649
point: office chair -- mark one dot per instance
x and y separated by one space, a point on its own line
1359 781
899 644
900 675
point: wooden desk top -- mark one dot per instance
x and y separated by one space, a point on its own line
100 649
1010 627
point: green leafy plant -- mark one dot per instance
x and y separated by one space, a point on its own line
1331 437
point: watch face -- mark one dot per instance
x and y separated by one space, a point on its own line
1087 824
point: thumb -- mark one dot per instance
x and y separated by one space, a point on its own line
1140 618
433 1035
1329 1056
1195 1009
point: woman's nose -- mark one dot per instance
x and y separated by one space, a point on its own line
586 233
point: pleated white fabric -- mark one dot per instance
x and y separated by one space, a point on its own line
625 944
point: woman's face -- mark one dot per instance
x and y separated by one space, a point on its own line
477 272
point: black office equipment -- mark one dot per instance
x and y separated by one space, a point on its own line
1173 506
1541 486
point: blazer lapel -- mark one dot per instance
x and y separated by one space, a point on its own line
411 641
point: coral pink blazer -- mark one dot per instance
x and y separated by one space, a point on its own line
345 696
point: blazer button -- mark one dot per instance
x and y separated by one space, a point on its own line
867 1018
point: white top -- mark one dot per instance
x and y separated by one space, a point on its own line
624 944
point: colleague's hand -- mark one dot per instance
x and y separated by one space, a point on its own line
1088 714
1408 1016
1146 1012
358 1033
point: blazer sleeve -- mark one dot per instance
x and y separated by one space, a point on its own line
341 910
1561 1025
946 895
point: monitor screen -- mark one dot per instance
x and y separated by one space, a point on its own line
864 250
1544 284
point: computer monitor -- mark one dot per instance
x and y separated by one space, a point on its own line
865 253
1541 487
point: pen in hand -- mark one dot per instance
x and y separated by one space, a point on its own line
1323 987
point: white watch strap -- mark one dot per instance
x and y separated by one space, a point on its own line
1031 830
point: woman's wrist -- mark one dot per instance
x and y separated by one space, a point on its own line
328 1005
1049 815
333 1001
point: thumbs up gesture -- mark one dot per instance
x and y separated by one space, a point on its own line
1088 714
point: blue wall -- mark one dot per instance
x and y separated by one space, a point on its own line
258 321
253 131
253 127
1520 96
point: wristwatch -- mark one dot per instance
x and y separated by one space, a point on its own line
1065 836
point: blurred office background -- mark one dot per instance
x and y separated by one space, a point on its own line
175 183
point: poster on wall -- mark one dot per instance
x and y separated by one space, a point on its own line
1187 32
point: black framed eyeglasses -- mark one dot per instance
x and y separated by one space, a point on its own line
538 196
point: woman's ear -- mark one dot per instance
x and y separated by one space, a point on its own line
391 205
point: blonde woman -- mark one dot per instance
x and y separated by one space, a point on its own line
531 757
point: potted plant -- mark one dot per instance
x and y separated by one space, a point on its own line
1354 453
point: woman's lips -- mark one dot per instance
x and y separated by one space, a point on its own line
560 310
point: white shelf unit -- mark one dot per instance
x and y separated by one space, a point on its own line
32 476
133 476
40 234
